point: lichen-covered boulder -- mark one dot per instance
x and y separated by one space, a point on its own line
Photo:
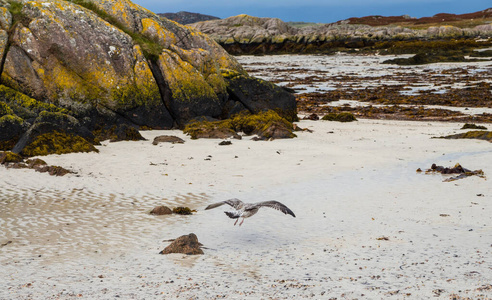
50 127
82 67
258 95
70 55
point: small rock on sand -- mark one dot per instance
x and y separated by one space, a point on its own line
161 210
186 244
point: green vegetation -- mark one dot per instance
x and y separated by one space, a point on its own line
5 109
432 51
340 117
431 57
209 129
260 124
8 157
15 9
25 106
151 48
182 210
57 143
474 134
473 126
413 47
117 133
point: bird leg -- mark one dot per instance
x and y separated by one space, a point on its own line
236 222
241 222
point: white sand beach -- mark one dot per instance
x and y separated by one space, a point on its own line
368 226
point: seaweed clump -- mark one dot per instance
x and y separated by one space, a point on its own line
10 157
16 161
210 129
267 125
118 133
181 210
57 143
340 117
457 169
474 134
473 126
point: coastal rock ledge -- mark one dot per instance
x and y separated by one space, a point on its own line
82 67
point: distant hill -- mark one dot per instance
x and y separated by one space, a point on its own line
184 17
463 20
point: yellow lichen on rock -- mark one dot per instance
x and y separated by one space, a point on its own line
155 31
144 79
185 82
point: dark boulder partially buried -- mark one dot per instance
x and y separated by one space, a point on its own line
167 139
186 244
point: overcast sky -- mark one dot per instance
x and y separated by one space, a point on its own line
323 11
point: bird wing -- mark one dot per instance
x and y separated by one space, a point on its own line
275 205
236 203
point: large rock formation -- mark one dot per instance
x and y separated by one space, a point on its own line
244 34
97 63
184 17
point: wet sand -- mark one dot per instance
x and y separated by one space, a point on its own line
368 226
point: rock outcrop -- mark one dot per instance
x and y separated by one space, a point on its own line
244 34
82 66
184 17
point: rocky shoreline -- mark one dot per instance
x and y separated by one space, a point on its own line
245 35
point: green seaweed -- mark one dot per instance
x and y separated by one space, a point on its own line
473 126
182 210
259 124
197 129
340 117
57 143
10 157
474 134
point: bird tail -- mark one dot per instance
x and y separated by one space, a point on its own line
232 215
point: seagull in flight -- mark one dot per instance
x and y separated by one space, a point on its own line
246 210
